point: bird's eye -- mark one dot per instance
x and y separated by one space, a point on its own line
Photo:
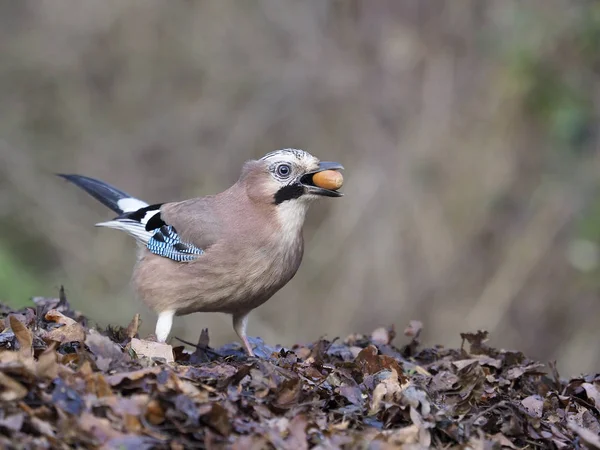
284 170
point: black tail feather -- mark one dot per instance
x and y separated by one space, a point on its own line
105 193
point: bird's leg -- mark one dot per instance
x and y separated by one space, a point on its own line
164 324
240 322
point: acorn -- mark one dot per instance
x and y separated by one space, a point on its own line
328 179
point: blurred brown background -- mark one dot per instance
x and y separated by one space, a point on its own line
468 129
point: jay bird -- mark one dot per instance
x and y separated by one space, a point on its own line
228 252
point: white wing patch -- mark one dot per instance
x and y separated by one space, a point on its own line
131 227
131 204
144 220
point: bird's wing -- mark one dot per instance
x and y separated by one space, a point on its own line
167 243
182 231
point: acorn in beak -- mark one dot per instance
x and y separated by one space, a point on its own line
325 181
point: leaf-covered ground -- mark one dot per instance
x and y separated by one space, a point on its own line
66 385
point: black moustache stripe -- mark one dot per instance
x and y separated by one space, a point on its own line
289 192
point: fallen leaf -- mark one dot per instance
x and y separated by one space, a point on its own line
13 422
593 394
587 436
380 336
288 394
250 443
297 439
531 369
99 428
369 362
463 363
218 419
404 436
23 336
352 393
503 441
134 375
67 399
105 350
534 405
132 424
150 349
67 333
56 316
47 363
130 442
200 354
11 389
155 414
96 384
42 426
477 342
413 329
384 391
133 327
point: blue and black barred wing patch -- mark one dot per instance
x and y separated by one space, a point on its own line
167 243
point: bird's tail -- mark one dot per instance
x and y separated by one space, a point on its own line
133 214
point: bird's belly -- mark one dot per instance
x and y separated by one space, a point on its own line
232 285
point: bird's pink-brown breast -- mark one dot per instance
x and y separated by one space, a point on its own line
244 264
227 278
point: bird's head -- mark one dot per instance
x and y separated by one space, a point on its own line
286 177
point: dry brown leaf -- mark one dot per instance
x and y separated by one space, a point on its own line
101 429
151 349
413 329
190 390
132 424
122 406
416 398
385 391
155 414
47 363
352 393
476 342
517 372
56 316
289 393
463 363
404 436
9 356
105 350
11 389
534 405
589 437
250 443
380 336
118 378
503 441
297 438
13 422
218 418
369 362
42 426
67 333
96 384
24 337
593 394
134 326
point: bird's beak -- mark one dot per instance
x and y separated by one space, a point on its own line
307 180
